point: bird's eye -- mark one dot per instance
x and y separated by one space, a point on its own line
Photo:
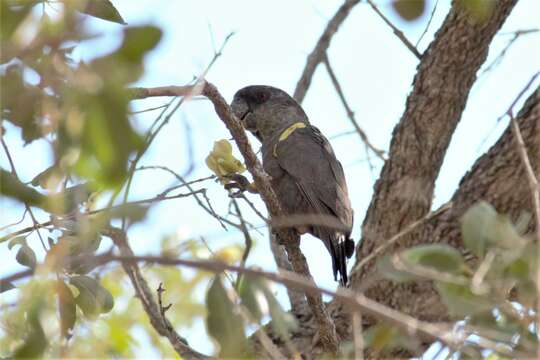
262 97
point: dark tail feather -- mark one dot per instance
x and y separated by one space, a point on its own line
340 254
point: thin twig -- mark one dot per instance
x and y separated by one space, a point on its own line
320 49
247 238
147 110
396 31
157 198
208 207
428 23
358 336
15 223
387 243
27 207
515 36
252 206
535 194
155 313
162 309
350 113
150 136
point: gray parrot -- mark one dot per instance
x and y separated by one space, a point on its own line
304 172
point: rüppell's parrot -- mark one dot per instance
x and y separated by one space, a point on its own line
305 174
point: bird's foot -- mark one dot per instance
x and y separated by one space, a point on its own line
241 183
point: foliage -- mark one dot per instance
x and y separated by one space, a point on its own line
497 290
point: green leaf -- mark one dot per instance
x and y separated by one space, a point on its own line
103 9
409 9
478 10
223 322
35 342
19 240
440 257
132 212
138 41
282 322
26 256
387 269
43 177
460 301
251 297
11 16
11 186
257 296
66 309
21 103
475 227
93 299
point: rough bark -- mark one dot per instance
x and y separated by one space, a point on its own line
497 177
404 191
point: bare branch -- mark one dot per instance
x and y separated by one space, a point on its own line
155 314
155 199
390 242
396 31
320 49
172 90
515 36
27 207
379 153
428 23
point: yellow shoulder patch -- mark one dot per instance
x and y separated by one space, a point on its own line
287 132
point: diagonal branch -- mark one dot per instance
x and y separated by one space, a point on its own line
400 35
379 153
316 56
157 319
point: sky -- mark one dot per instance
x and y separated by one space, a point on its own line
270 44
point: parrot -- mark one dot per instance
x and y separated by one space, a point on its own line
304 172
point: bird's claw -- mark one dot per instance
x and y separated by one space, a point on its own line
239 182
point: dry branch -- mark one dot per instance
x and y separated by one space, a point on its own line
400 35
379 153
157 318
316 56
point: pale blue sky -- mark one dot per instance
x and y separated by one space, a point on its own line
270 45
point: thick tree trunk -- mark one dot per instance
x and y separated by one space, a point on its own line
404 191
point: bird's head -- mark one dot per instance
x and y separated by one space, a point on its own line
266 111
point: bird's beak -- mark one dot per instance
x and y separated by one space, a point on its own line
240 108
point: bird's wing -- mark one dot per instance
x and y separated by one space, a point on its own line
308 157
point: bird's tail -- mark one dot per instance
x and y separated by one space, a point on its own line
341 248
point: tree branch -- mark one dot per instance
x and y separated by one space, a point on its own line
156 317
396 31
320 49
379 153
